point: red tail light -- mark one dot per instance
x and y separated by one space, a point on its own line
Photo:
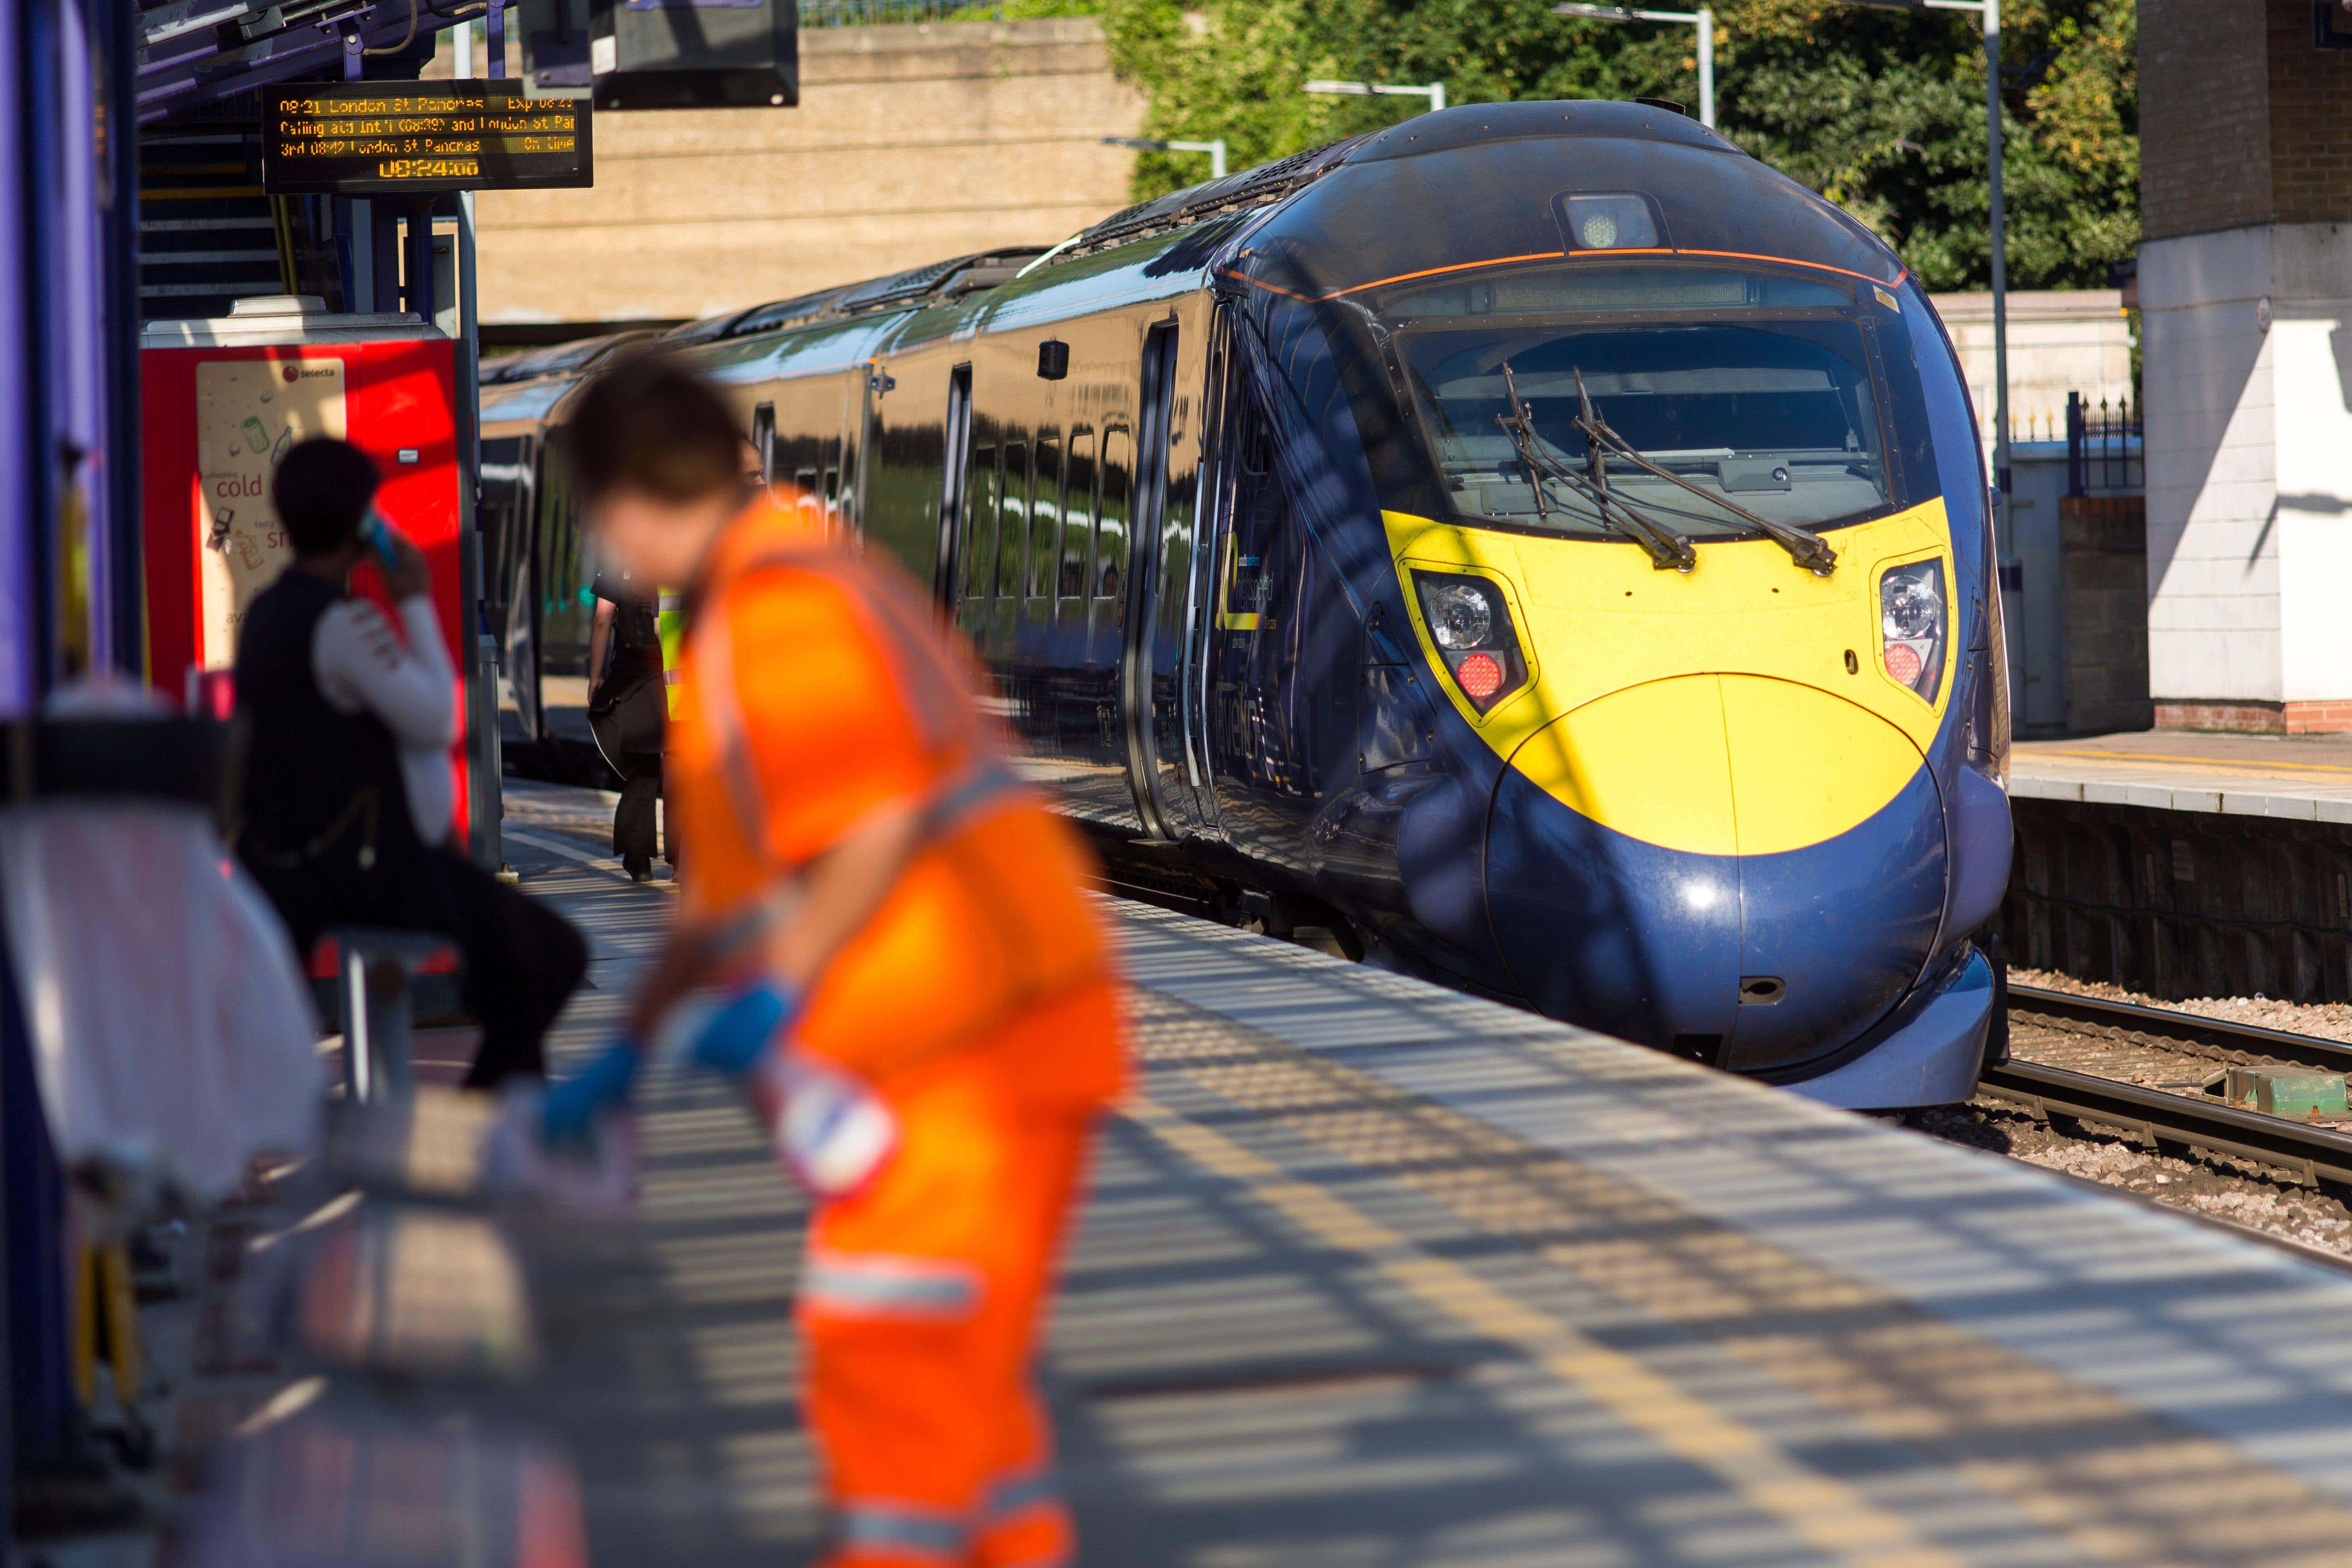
1480 677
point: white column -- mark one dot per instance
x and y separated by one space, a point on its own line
2247 357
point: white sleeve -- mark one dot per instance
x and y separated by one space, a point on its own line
359 664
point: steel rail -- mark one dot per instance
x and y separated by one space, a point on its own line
2164 1025
2311 1155
2157 1117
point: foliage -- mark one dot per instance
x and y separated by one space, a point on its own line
1882 111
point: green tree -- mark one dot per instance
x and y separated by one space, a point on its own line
1883 114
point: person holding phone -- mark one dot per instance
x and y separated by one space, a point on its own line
346 721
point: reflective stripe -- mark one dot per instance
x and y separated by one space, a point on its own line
884 1285
670 602
715 663
967 795
1018 1494
669 677
909 1528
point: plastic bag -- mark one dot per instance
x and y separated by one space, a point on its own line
171 1030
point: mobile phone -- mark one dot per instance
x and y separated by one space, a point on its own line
379 538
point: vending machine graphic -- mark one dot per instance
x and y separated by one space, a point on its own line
223 400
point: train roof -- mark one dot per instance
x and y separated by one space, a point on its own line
1467 186
559 359
1488 183
949 278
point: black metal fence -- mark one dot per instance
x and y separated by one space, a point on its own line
2103 447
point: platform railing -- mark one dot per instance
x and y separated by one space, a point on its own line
2104 446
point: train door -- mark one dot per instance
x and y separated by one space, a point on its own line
1160 686
560 581
955 487
857 457
509 473
763 440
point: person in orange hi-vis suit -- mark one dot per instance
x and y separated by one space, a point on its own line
913 983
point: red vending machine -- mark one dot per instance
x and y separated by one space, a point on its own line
223 401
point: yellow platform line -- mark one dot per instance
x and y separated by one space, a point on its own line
1823 1511
2193 765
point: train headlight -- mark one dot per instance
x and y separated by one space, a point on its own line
1470 622
1912 626
1616 222
1460 615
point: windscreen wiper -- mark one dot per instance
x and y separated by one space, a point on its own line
1668 549
1805 547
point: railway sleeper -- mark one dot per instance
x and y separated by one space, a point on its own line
2303 1170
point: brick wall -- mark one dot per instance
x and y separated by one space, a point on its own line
2204 121
2105 540
2244 120
910 145
2310 119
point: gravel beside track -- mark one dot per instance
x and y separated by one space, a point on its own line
2222 1187
2328 1020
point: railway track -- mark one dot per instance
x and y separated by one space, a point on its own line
2165 1120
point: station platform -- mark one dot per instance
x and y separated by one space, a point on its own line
1375 1273
2304 778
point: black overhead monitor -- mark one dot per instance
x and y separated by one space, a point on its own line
419 138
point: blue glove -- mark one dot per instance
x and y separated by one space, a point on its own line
732 1038
572 1105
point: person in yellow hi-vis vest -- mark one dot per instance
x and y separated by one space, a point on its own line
887 940
634 651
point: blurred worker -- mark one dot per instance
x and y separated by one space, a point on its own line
348 793
917 992
627 703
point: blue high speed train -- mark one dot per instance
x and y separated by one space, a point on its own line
1537 544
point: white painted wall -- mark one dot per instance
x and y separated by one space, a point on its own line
2213 560
2060 341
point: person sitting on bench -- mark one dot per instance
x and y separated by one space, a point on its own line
348 794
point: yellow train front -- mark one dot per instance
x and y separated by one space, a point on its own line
1681 493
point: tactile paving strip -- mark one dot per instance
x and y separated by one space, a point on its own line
2120 1484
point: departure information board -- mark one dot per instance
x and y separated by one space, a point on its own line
417 138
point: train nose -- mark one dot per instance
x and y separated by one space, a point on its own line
1741 869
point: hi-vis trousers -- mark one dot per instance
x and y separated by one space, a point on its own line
921 1305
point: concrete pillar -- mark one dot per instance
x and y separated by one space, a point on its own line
2245 289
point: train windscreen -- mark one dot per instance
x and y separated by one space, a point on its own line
1548 393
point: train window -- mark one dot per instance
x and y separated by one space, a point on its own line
977 559
1012 527
1111 525
1587 286
1077 515
1259 514
1768 391
565 600
1046 521
1257 439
